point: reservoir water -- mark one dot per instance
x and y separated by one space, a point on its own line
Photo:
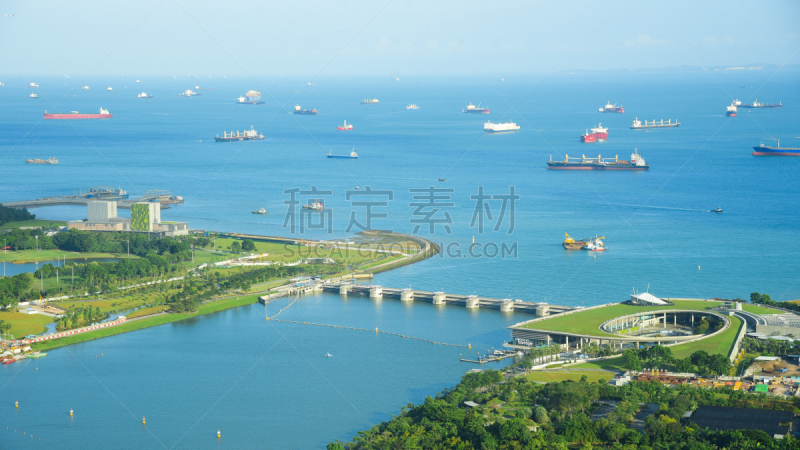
231 371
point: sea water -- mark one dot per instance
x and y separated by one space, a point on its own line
657 226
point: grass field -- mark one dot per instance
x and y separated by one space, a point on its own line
146 311
50 255
588 322
207 308
289 253
758 309
605 364
569 374
25 324
721 343
33 223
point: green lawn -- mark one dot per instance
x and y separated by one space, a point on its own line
33 223
588 322
758 309
721 343
49 255
569 374
25 324
289 253
605 364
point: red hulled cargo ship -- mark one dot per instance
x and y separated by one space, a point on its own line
598 134
731 111
104 114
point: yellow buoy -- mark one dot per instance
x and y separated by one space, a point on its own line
143 421
470 345
376 329
70 412
16 404
219 435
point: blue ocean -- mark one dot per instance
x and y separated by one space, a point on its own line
267 384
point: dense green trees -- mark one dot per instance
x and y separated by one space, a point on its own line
14 288
80 316
659 357
14 215
248 245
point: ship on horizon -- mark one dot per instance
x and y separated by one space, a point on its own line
103 114
246 135
768 150
42 161
299 110
598 134
637 124
251 97
188 93
507 127
144 95
370 101
203 89
472 109
33 95
352 155
412 107
600 163
33 85
755 104
609 108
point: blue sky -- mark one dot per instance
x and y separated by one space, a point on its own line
397 37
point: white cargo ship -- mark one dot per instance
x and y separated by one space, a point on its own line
507 127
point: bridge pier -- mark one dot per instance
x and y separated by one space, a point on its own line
472 302
542 310
407 295
376 292
507 305
343 289
438 298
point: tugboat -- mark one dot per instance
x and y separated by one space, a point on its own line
598 134
472 109
346 126
246 135
260 211
412 107
768 150
718 210
572 244
353 155
298 110
595 245
609 108
731 111
316 206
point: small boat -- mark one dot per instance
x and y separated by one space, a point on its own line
316 206
85 88
412 107
353 155
145 95
109 89
33 95
572 244
442 179
138 81
328 355
33 85
595 245
346 126
718 210
358 187
260 211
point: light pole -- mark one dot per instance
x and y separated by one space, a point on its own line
37 242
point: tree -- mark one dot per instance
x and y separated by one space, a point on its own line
248 245
632 361
236 247
540 415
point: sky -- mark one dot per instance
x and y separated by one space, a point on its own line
389 37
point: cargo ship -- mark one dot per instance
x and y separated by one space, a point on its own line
599 163
353 155
247 101
768 150
755 104
298 110
598 134
346 126
188 93
472 109
370 101
145 95
637 124
572 244
42 161
246 135
412 107
104 114
507 127
609 108
260 211
731 112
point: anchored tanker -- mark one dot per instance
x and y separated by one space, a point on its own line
246 135
472 109
609 108
507 127
104 114
598 134
768 150
600 163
